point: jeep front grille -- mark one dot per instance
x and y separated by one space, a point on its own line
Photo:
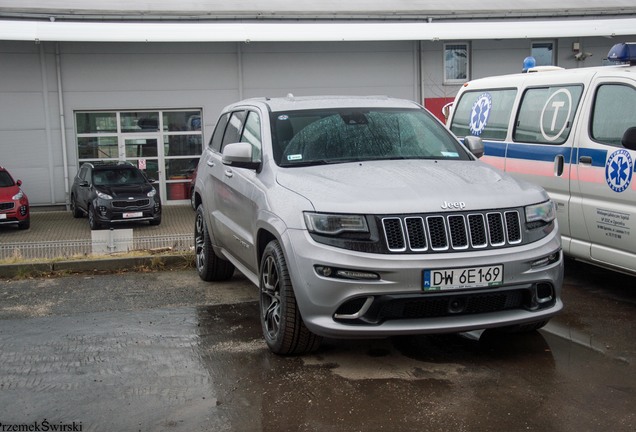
451 232
131 204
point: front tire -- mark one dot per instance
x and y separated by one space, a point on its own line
25 224
209 266
77 213
92 219
283 328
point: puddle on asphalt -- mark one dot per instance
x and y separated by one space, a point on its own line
209 369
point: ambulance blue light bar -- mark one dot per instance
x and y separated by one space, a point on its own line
623 53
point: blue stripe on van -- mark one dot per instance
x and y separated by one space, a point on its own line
543 153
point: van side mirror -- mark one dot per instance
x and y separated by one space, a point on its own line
629 138
475 145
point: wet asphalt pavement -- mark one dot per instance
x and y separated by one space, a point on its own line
165 351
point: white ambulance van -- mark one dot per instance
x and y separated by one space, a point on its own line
572 131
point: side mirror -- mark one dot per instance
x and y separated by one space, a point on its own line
475 145
446 110
239 155
19 183
629 139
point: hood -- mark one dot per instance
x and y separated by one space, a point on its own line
407 186
126 191
7 193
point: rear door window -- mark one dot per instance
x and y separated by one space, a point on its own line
484 113
546 113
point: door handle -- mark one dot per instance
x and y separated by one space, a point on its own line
210 163
585 160
558 165
228 173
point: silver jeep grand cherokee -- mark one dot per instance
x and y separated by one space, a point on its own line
365 217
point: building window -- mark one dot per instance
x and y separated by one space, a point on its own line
165 144
456 63
543 53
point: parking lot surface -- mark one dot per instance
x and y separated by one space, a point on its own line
163 351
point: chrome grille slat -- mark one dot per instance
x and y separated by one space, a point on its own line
452 232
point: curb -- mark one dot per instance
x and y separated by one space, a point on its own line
106 265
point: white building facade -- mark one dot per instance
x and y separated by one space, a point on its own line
85 83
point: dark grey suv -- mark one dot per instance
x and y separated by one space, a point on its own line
113 193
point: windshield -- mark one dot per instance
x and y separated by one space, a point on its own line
114 177
313 137
5 179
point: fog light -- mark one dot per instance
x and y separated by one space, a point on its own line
23 211
550 259
323 271
102 210
356 274
331 272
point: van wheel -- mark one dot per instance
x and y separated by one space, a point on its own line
210 267
283 327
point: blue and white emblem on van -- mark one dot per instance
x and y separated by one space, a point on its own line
480 113
619 170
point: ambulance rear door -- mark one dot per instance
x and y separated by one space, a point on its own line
604 185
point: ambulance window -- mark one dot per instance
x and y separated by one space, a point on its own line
613 113
545 114
484 113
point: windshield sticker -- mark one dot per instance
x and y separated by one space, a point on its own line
450 154
479 114
560 102
294 157
619 170
283 117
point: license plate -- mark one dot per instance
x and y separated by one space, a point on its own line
133 215
3 216
460 278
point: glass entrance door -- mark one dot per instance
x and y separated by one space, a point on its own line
145 153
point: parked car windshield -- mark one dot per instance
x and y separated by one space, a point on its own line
114 177
315 137
5 179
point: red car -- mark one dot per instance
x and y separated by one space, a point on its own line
14 204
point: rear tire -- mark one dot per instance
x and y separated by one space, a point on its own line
210 267
283 328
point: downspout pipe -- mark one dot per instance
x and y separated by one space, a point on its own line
60 98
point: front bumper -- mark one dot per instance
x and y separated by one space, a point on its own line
12 212
134 211
396 303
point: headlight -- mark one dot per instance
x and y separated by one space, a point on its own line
544 212
18 196
102 195
152 193
333 224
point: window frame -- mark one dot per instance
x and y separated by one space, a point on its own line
455 81
543 42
